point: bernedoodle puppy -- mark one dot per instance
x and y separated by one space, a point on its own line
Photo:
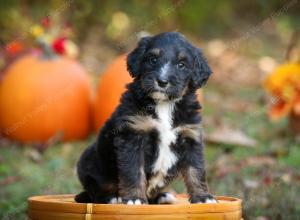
155 133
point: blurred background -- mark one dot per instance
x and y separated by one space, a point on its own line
62 71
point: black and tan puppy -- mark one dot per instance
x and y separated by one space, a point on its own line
154 134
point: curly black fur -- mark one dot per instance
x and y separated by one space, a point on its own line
167 71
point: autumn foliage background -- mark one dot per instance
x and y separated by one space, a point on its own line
251 105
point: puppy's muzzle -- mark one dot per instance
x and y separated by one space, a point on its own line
162 82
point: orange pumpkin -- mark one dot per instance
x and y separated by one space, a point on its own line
40 98
111 86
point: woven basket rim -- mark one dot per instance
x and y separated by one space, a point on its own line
65 204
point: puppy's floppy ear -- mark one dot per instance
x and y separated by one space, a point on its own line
201 70
134 58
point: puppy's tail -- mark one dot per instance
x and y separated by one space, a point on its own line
83 197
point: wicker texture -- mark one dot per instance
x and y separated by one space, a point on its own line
63 207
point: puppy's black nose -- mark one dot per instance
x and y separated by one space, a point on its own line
162 82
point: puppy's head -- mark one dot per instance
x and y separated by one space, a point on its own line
167 64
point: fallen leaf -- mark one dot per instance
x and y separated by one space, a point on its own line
262 218
225 135
287 178
267 64
225 165
259 161
267 180
251 184
9 180
34 155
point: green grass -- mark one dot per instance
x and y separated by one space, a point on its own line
275 193
53 173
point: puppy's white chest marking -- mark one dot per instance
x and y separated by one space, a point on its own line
167 135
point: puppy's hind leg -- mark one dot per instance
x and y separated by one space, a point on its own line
97 190
83 197
163 198
132 179
105 193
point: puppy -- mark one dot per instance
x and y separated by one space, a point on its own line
154 134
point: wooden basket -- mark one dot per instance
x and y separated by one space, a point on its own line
63 207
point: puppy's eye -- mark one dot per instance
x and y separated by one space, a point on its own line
152 60
181 65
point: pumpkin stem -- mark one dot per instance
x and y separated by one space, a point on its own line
48 53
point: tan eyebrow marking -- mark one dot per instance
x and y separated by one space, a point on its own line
181 56
155 51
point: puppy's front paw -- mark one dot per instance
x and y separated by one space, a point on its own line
203 198
166 198
134 201
115 200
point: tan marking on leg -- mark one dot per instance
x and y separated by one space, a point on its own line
195 183
143 183
137 191
141 123
155 182
192 131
